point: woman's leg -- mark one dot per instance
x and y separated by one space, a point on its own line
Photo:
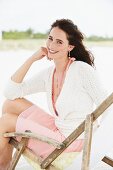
16 106
7 124
11 110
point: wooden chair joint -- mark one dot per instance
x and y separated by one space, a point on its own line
19 150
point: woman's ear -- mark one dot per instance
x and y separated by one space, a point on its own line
71 47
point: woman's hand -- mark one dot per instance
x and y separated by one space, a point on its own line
41 53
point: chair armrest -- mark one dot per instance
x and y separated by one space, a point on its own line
35 136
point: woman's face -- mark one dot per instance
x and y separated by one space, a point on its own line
57 44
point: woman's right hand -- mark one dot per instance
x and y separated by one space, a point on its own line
41 53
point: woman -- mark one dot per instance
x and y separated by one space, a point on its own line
72 89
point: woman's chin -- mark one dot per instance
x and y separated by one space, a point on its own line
53 56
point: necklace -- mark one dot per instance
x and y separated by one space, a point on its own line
59 83
58 80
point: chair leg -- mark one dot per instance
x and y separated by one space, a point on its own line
108 160
19 150
87 142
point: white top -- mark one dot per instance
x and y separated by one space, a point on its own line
80 91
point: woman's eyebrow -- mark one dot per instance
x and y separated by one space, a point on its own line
59 40
56 39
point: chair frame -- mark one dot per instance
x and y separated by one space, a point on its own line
86 126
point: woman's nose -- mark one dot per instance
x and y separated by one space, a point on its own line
52 45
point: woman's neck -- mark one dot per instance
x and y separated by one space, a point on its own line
60 65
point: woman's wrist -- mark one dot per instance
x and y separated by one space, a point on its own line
32 59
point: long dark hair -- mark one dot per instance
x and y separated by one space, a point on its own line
75 37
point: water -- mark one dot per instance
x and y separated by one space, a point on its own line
11 60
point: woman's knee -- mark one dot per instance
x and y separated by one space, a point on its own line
9 106
16 106
8 122
6 106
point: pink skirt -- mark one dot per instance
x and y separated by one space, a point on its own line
38 121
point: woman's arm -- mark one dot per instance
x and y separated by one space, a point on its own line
92 84
19 75
94 87
18 88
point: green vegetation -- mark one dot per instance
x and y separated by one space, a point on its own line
30 40
99 38
30 34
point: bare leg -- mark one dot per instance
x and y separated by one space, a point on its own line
7 124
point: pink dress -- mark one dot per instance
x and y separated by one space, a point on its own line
38 121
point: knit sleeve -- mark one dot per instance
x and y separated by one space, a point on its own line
94 88
92 84
33 85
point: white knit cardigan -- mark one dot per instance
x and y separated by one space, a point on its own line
80 91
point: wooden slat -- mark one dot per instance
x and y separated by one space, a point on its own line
51 167
108 160
30 155
57 152
100 109
87 142
18 153
27 152
37 137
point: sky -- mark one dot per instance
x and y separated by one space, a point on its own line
93 17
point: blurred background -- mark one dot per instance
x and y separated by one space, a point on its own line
24 26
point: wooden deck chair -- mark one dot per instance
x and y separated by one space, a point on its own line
49 162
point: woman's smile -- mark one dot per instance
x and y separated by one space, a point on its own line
52 51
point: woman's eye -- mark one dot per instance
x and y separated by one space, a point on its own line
50 38
59 42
